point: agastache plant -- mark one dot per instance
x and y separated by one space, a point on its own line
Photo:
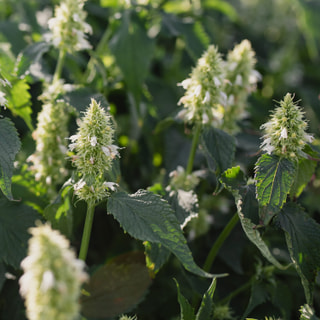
52 278
285 133
94 153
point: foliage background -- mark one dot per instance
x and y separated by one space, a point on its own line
165 39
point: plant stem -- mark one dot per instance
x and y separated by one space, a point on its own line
86 232
193 150
58 71
219 242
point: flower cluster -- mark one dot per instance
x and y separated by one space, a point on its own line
68 26
203 97
52 277
285 133
217 90
94 153
3 83
241 80
49 158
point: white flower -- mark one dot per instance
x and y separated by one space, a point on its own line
110 151
284 134
48 281
93 141
206 97
79 185
185 83
197 90
111 185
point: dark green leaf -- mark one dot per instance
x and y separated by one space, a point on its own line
15 220
116 287
274 178
145 216
9 146
205 310
133 50
303 240
19 101
186 310
219 149
305 170
233 180
156 255
30 55
185 205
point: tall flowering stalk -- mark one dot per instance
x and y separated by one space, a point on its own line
285 133
93 156
52 277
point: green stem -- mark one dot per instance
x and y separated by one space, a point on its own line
193 150
86 232
219 242
58 71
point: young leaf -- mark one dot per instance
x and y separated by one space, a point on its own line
205 310
303 240
9 146
15 220
233 180
274 178
219 149
30 55
186 310
145 216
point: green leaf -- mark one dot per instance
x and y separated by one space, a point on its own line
9 146
133 50
185 205
147 217
59 212
116 287
156 255
205 310
274 178
19 101
219 148
15 220
303 241
186 310
233 180
305 171
29 56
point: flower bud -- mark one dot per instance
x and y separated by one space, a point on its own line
52 277
285 133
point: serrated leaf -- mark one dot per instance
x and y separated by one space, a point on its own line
9 146
305 171
274 178
186 310
303 241
185 205
147 217
233 180
205 310
30 55
133 50
19 101
219 149
15 220
116 287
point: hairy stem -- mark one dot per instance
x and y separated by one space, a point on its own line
86 232
219 242
58 71
193 150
